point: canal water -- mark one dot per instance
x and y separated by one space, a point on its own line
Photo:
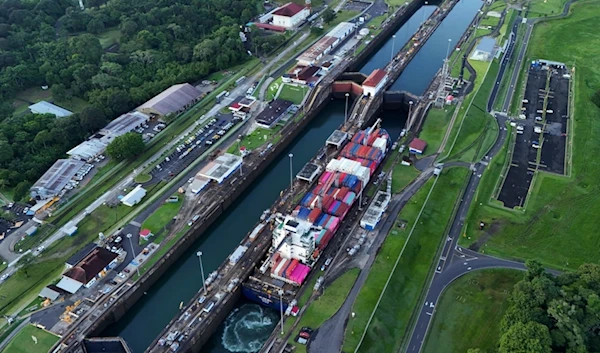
249 325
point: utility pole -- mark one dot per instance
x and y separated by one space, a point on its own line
291 155
393 43
346 111
199 254
129 236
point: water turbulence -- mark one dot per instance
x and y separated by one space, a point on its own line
247 328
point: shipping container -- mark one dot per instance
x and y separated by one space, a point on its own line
314 215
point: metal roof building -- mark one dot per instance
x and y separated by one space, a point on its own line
124 124
56 178
135 196
221 167
377 208
174 99
276 110
342 30
44 107
90 148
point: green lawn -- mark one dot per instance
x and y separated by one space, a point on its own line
470 311
157 221
557 222
326 305
489 21
142 178
255 139
543 8
434 129
109 37
273 88
293 93
476 128
24 341
402 175
31 281
391 321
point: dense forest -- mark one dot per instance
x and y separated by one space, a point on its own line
53 42
554 314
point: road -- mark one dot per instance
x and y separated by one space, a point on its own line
454 260
115 190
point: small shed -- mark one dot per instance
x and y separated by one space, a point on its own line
145 234
49 293
417 146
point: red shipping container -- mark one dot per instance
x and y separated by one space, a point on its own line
291 268
317 189
327 201
313 215
276 259
325 240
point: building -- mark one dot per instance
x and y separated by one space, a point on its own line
146 234
375 211
49 293
375 82
134 197
417 146
174 99
124 124
295 239
269 27
80 255
97 144
326 44
44 107
198 184
86 272
484 50
55 179
276 110
222 167
290 15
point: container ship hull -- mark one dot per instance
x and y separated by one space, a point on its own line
301 237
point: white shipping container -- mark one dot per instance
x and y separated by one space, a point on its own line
237 254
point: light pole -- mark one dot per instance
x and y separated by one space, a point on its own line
346 111
199 254
448 49
393 43
241 164
291 155
281 308
129 236
410 104
423 20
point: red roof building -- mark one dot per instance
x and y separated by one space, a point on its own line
235 107
417 146
269 27
145 234
288 10
375 82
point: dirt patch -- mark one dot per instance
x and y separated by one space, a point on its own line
491 230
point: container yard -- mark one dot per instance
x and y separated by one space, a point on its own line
299 238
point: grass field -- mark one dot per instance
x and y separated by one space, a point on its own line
402 175
391 320
556 228
470 311
23 342
273 88
293 93
476 128
326 305
255 139
157 221
142 178
543 8
434 129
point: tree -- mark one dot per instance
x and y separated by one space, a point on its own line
59 92
6 152
126 146
530 337
95 26
328 15
91 119
474 350
21 190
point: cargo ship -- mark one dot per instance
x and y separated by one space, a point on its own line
300 237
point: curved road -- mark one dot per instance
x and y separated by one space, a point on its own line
456 261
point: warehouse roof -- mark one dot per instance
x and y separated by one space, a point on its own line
221 167
172 99
341 30
374 78
81 254
57 177
49 293
273 112
90 148
125 123
91 265
44 107
288 10
317 49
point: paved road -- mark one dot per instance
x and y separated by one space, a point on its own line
330 336
6 341
504 65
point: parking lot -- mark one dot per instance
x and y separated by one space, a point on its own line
193 145
541 132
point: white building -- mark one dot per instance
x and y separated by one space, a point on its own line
55 179
134 197
222 167
44 107
375 210
375 82
290 15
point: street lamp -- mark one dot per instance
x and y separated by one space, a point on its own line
199 254
408 122
281 308
448 49
346 111
241 155
291 155
393 43
129 236
423 20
